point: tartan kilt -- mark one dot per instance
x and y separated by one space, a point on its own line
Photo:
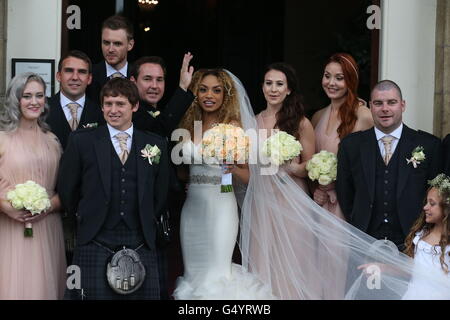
93 259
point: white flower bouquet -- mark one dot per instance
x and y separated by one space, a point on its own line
29 196
322 167
225 144
281 147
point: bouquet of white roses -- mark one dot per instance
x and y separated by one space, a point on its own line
322 167
29 196
225 144
281 147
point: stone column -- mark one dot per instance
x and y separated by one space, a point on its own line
2 49
442 91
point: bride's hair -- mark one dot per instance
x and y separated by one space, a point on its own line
422 225
10 111
292 112
228 112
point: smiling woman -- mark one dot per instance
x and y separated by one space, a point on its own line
285 111
28 151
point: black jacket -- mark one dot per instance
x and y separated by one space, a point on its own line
99 79
84 181
58 122
355 183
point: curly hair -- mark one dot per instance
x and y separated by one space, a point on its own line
228 112
10 111
292 111
348 110
421 224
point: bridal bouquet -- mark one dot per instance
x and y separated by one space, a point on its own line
225 144
281 147
322 167
29 196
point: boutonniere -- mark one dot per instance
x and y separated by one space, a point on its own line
91 125
151 153
154 114
417 156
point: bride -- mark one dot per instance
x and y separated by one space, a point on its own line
209 218
291 247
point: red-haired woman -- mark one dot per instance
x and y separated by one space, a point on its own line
345 114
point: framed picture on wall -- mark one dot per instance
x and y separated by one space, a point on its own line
43 67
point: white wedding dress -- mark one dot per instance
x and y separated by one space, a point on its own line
208 232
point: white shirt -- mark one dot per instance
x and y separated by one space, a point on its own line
397 133
115 141
110 70
64 101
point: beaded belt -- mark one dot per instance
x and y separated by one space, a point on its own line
202 179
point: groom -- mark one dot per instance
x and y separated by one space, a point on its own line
117 195
379 188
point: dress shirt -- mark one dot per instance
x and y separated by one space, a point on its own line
115 141
397 133
64 101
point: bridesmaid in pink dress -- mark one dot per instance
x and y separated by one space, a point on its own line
31 268
345 114
284 111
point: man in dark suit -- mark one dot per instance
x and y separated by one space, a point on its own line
70 109
382 178
117 41
117 189
149 74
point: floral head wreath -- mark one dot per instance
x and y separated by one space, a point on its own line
442 183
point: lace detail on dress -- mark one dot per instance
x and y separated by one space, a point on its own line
203 179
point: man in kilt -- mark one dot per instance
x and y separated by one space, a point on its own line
114 179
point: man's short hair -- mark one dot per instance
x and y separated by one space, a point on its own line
135 68
120 87
76 54
117 23
385 85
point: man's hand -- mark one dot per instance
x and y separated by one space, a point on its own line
320 196
186 72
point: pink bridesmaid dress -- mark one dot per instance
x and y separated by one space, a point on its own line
268 123
329 142
31 268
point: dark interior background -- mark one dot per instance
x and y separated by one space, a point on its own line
242 36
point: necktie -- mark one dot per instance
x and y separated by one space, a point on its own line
122 138
73 107
116 75
387 141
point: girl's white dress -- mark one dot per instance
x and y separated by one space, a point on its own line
427 259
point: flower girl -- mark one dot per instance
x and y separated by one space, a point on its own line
429 240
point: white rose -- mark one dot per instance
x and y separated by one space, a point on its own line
325 180
420 156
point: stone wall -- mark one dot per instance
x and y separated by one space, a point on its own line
442 91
